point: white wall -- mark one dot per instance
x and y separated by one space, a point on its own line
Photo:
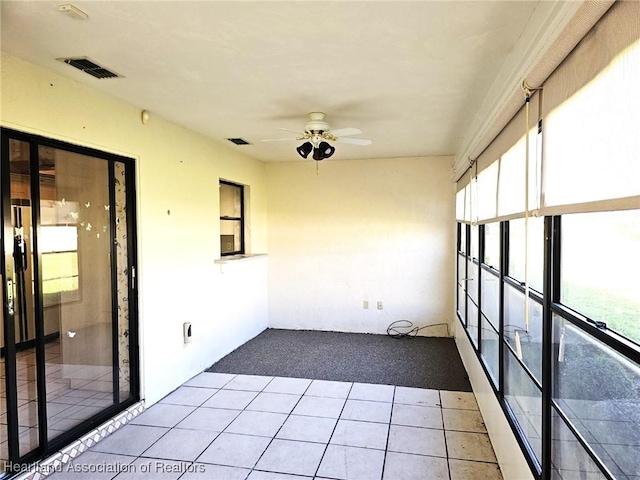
178 227
376 230
510 457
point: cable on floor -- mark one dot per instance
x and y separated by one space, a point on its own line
405 329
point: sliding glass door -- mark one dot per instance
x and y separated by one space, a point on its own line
69 343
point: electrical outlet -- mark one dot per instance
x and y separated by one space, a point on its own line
379 305
365 304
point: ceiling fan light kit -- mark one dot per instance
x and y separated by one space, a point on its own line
325 150
305 149
317 134
321 151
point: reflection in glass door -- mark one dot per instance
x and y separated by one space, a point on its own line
68 265
20 287
74 248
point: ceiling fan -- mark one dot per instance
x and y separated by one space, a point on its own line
317 134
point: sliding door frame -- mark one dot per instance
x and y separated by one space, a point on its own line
47 446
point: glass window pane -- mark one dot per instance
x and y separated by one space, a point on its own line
462 284
600 265
231 219
463 237
461 271
462 298
472 279
525 400
230 200
230 238
597 389
526 340
492 245
490 349
472 320
536 251
568 457
490 296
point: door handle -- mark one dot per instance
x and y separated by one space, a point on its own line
20 253
10 309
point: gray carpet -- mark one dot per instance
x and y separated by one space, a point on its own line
422 362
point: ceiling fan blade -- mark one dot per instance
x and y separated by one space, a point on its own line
278 139
291 131
342 132
354 141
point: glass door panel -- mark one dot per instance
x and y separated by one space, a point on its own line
68 291
22 285
75 247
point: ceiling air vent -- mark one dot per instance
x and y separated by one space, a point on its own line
90 67
238 141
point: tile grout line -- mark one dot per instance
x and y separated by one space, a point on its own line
386 447
192 462
219 433
172 428
444 435
252 469
334 430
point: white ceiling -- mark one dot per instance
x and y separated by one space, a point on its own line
411 75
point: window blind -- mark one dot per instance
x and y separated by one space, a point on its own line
591 112
500 182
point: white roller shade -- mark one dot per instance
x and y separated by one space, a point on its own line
488 192
502 179
512 178
463 199
460 205
592 120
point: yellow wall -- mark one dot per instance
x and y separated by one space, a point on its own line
178 227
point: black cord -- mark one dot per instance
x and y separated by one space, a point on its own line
394 332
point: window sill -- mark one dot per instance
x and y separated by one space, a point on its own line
238 258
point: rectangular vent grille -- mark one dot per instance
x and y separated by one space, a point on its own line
238 141
90 67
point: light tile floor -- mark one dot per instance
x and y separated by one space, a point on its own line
221 426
